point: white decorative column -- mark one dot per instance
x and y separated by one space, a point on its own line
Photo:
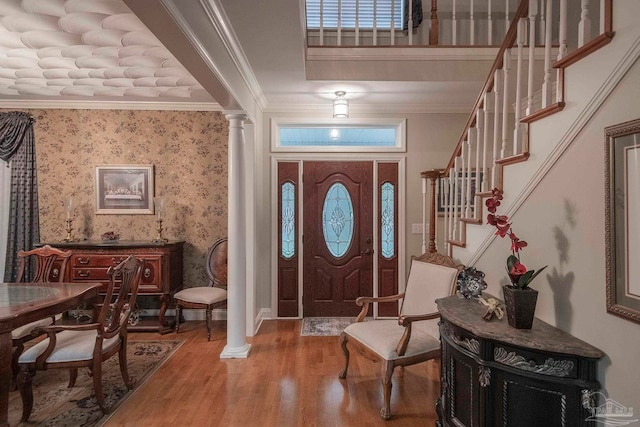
237 346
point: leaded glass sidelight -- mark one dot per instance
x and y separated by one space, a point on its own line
387 223
288 220
337 220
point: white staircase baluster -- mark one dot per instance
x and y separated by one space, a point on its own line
375 22
506 66
454 25
518 107
478 172
541 23
448 213
602 15
584 27
562 48
357 24
497 111
339 29
489 24
321 23
392 27
472 25
507 19
485 142
533 13
456 193
444 192
424 214
471 141
547 85
410 23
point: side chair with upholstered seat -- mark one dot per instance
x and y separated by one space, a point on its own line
207 297
414 336
87 345
45 264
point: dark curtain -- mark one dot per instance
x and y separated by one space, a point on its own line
416 12
17 145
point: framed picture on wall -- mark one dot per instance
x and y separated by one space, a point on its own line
124 189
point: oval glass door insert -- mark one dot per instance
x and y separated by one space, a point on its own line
337 220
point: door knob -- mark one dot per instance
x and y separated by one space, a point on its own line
367 251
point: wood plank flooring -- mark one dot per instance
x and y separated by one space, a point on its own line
288 380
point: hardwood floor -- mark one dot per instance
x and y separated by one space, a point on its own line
288 380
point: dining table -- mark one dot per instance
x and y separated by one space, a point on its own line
22 303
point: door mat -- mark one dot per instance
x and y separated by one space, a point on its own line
324 326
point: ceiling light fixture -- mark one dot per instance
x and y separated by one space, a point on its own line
340 106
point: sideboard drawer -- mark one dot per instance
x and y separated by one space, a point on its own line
92 260
149 281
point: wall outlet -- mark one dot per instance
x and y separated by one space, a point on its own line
416 228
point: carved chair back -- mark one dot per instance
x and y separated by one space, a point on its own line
217 264
45 264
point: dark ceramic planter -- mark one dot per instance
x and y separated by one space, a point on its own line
521 306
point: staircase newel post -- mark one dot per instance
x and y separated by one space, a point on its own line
432 176
434 30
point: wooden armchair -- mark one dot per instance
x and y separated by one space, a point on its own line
46 264
414 336
77 346
207 297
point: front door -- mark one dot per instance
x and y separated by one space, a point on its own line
337 237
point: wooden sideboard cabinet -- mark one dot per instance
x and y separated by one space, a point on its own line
161 272
494 375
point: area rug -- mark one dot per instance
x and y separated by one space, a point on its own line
324 326
56 405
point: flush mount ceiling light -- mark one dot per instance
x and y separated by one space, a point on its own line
340 105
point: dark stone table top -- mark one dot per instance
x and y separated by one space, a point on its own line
467 314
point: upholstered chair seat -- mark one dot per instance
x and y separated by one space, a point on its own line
24 331
384 337
70 346
202 295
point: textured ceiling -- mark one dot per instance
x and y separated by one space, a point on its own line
86 48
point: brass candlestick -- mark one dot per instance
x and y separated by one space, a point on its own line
159 237
68 238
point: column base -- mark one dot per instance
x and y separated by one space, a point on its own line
235 352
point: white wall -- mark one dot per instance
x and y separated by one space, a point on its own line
563 221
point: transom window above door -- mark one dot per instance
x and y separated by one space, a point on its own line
337 136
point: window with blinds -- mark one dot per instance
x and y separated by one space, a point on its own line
366 13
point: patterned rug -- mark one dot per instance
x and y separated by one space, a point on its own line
56 405
324 326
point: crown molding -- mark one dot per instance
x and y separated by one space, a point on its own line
218 17
108 105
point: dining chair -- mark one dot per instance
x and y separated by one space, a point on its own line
45 264
214 295
87 345
411 338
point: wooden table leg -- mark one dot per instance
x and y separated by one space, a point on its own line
5 377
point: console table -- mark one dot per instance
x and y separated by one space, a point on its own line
496 375
161 272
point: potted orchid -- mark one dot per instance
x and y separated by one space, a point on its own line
520 299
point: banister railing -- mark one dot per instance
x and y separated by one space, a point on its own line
513 95
349 23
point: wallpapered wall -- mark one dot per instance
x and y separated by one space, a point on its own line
187 149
